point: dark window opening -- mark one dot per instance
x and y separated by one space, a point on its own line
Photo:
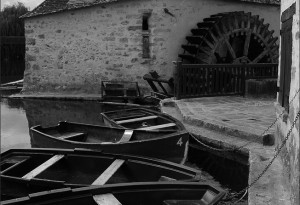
146 35
145 23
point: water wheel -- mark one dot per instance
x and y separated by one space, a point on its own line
231 38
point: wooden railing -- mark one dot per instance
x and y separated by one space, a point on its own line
261 70
199 80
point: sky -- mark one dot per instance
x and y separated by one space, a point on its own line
31 4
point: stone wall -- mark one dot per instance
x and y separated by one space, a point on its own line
290 152
72 51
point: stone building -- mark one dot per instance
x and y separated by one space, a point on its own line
288 100
71 45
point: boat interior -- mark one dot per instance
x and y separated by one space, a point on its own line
80 170
97 134
142 120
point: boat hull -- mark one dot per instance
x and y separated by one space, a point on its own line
168 146
165 193
26 171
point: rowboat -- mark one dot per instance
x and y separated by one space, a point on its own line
27 171
149 193
120 91
158 144
141 119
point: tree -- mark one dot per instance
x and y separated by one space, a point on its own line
10 23
12 51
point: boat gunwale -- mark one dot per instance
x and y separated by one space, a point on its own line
87 152
72 193
169 134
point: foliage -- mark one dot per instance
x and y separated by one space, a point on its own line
12 55
10 23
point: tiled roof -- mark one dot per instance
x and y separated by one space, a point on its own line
276 2
54 6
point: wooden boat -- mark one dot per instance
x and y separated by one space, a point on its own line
158 144
150 193
26 171
120 91
11 87
141 119
124 92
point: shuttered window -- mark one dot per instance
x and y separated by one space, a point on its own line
286 57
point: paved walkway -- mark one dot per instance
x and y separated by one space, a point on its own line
241 117
234 123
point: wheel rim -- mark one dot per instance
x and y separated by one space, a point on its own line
231 38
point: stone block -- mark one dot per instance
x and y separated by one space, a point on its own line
268 140
123 40
28 31
134 28
30 41
42 36
29 57
110 38
125 22
35 67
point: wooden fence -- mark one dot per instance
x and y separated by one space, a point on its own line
199 80
12 58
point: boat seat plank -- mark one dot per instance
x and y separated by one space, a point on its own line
71 135
106 175
106 199
157 126
166 179
126 136
137 119
129 115
33 173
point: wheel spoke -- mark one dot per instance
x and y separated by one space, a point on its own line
260 56
247 43
230 49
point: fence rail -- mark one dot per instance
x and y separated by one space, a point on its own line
199 80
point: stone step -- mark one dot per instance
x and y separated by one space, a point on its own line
223 128
272 188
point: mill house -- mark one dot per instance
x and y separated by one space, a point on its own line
73 45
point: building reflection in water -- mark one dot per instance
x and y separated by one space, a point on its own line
15 127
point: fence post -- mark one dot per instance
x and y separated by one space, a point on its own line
244 80
178 80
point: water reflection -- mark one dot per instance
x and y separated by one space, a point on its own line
50 112
17 116
14 125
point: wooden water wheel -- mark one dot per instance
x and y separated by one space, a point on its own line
231 38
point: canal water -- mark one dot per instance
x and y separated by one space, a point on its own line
18 115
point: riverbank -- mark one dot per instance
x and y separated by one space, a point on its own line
230 125
246 119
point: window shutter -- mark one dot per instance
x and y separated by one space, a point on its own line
286 63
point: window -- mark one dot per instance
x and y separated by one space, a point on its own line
145 22
146 37
286 56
